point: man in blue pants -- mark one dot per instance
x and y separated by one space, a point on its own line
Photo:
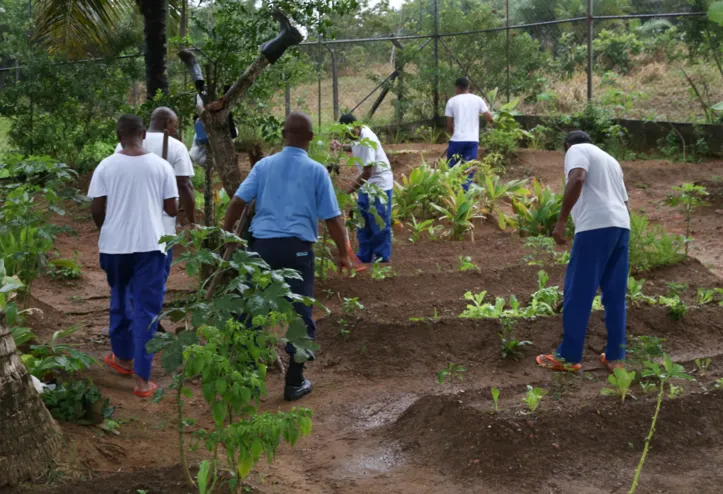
292 193
130 190
595 195
375 239
462 112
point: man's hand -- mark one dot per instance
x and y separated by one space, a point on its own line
344 263
559 233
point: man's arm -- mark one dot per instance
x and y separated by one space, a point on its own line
450 125
233 213
170 206
363 177
186 198
337 231
490 119
97 210
575 181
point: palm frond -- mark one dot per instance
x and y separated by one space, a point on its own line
72 25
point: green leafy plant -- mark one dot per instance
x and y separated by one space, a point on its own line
635 294
702 364
65 269
418 228
495 398
651 246
543 250
509 345
662 374
351 305
380 272
465 264
534 397
452 371
458 212
678 289
344 328
688 197
676 307
57 359
495 192
75 401
620 381
537 215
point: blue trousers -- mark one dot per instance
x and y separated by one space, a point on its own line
461 152
375 242
599 258
131 329
291 253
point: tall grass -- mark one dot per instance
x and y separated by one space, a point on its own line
4 129
651 246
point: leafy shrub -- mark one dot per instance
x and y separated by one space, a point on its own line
651 246
74 401
538 213
614 50
571 56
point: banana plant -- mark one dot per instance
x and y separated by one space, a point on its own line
538 213
459 211
496 191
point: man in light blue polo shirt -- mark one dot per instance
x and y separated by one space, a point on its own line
292 192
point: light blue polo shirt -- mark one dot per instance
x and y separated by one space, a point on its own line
292 192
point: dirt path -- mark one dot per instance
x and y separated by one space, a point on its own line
382 422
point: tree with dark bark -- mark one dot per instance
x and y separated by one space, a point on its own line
30 436
72 26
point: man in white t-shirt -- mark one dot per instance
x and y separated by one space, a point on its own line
595 195
462 112
165 119
131 190
375 174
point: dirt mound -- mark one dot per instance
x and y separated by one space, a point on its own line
461 440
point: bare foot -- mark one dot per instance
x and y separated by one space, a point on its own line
124 364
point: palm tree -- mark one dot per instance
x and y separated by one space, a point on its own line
72 26
30 436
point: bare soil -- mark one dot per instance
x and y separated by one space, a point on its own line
382 422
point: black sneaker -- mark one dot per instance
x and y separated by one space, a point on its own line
293 393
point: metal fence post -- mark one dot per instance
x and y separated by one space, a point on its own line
287 97
507 56
589 49
435 93
334 83
318 74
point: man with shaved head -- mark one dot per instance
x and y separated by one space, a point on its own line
131 190
165 119
292 192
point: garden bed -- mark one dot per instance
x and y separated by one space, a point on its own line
383 423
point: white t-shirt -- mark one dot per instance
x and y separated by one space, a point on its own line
382 175
135 187
603 197
466 109
178 158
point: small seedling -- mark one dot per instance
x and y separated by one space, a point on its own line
687 198
328 293
419 228
648 386
703 365
344 328
351 305
676 307
453 370
509 345
620 380
533 397
635 293
496 398
64 269
677 289
674 391
466 264
380 272
719 383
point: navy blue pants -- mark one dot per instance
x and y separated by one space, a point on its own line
461 152
131 329
599 258
375 242
291 253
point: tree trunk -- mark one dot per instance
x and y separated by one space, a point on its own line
215 122
30 436
154 17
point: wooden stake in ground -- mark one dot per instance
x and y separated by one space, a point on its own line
30 436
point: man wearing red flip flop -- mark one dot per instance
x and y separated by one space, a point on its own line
595 195
130 190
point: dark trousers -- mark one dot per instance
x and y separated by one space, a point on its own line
599 258
375 242
291 253
461 152
132 328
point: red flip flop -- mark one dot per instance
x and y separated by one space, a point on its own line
146 394
550 362
110 362
611 365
